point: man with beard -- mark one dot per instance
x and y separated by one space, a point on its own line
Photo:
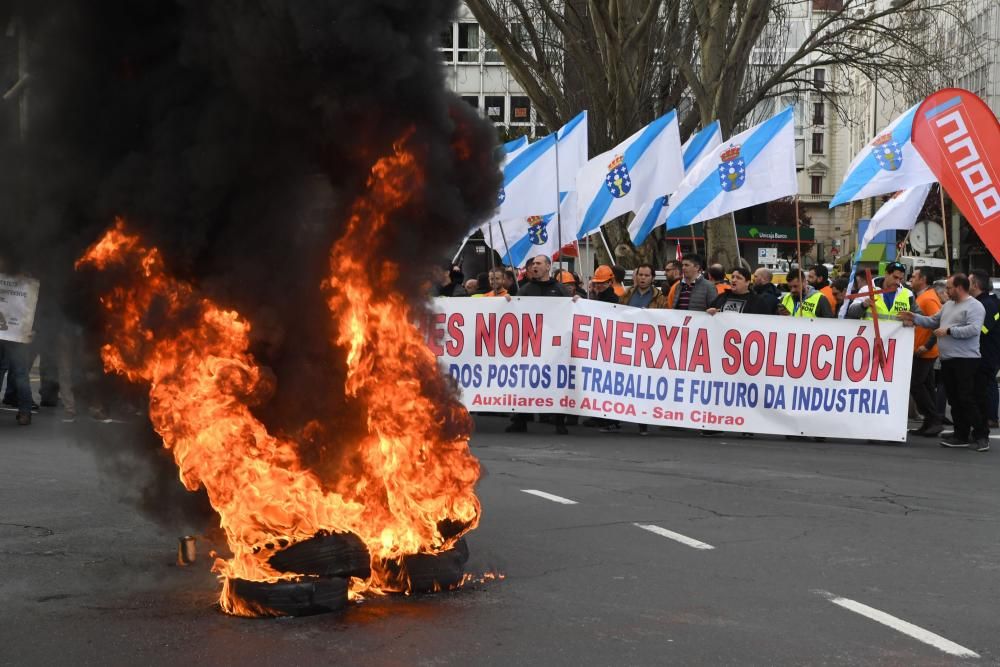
539 283
672 271
819 278
496 279
802 300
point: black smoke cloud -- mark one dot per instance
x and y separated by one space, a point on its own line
235 135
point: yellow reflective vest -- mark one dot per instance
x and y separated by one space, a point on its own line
900 304
805 308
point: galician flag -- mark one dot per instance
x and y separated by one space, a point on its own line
529 181
519 240
754 167
900 212
634 172
654 214
888 164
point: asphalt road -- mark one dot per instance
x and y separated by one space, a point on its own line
821 554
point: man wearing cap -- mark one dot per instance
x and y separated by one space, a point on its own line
802 300
570 281
602 285
539 283
893 300
693 291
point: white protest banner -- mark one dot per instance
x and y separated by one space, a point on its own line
730 372
18 298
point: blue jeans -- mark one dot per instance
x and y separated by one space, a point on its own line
17 361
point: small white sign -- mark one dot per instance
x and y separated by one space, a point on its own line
767 255
18 299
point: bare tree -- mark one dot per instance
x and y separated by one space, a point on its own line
628 61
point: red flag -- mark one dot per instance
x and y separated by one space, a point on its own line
680 255
959 138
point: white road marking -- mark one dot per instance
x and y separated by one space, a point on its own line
671 535
549 496
899 625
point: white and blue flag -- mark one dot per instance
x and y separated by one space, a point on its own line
529 181
654 214
636 171
519 240
754 167
900 212
888 164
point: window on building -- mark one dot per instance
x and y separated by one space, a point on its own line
471 100
816 185
496 108
819 110
520 109
828 5
490 52
447 44
819 78
468 42
817 142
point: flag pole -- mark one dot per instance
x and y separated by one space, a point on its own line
461 248
611 255
798 240
694 241
558 202
944 228
493 261
739 256
506 247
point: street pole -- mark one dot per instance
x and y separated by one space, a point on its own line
945 228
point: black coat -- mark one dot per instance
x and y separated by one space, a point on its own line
542 288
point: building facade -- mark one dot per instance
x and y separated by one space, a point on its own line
477 74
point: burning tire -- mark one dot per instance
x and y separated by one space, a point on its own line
326 555
291 598
430 573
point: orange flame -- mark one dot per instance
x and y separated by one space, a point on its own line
413 477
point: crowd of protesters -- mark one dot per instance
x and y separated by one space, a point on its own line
956 355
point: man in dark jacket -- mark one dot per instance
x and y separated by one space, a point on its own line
448 281
539 283
764 288
989 346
